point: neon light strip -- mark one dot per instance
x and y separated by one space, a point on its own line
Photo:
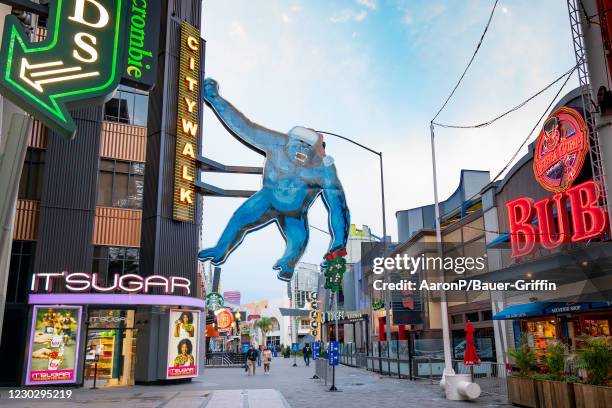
114 299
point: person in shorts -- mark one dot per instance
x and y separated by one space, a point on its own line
267 359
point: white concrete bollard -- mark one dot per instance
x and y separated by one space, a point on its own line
459 387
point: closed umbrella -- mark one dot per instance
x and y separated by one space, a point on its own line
470 357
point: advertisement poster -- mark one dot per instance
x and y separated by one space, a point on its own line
54 343
183 344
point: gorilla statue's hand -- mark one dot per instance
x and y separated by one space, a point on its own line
211 88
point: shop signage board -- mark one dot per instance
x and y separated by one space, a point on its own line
129 283
333 353
183 344
559 156
187 126
142 44
79 62
54 345
214 301
314 314
295 347
316 350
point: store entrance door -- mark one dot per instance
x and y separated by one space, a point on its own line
110 351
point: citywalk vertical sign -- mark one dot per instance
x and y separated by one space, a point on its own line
188 119
80 59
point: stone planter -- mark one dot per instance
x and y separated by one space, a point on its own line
522 391
555 394
592 396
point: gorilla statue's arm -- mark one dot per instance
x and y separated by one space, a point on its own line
252 134
338 212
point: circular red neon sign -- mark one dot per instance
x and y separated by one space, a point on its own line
224 319
560 150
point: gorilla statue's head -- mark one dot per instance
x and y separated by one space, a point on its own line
305 147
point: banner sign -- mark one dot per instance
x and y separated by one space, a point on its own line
80 60
188 119
183 344
314 314
54 345
142 44
333 353
214 301
295 347
316 350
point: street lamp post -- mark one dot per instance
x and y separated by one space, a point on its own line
448 367
384 223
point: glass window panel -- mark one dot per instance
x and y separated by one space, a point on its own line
111 109
138 168
131 253
131 267
105 189
107 165
115 267
24 182
135 191
120 190
115 253
141 107
472 317
122 167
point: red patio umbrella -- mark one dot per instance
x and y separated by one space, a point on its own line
470 357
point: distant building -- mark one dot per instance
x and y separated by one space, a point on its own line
232 296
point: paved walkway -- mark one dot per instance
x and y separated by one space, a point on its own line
285 387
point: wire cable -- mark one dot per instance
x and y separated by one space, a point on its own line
509 111
469 63
535 126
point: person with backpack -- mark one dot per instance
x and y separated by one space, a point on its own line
251 360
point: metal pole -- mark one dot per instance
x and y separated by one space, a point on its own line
294 319
448 368
387 277
336 316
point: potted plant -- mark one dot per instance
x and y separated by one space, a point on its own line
552 387
521 386
595 357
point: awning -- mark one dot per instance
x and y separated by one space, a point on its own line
547 308
523 310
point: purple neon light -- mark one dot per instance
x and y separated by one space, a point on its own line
113 299
76 354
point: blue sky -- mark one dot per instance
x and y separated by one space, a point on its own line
375 71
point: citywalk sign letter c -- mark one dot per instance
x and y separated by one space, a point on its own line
80 59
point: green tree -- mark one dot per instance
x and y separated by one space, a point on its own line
596 357
523 357
265 324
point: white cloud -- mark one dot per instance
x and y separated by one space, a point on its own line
349 15
285 18
407 19
237 29
371 4
296 9
436 9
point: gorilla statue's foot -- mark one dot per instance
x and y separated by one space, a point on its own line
285 272
210 254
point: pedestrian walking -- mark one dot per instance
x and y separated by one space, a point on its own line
259 353
267 359
307 352
251 360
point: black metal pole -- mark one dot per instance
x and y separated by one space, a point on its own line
333 387
95 375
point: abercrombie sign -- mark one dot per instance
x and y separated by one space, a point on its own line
130 283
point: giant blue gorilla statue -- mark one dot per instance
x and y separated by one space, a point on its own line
296 172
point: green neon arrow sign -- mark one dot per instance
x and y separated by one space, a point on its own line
79 61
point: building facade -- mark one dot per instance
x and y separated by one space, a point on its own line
96 232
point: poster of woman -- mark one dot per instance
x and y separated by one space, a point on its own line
53 345
183 344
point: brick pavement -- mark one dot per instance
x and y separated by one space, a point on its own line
286 386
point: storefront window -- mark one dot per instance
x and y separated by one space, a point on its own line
597 327
110 352
121 184
30 184
129 106
540 333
